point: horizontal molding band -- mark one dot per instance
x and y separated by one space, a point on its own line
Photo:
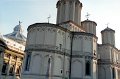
31 74
57 50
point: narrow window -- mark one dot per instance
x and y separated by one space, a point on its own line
11 71
49 68
4 69
28 59
18 71
0 52
60 46
113 72
87 68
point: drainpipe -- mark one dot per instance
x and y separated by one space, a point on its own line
72 35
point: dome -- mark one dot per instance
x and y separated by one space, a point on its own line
18 28
17 34
108 29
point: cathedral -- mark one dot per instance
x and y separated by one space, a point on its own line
69 48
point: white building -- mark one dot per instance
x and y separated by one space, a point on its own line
12 48
69 48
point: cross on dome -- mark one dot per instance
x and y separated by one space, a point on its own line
87 15
48 18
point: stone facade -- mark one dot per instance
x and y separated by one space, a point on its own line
12 48
69 48
11 58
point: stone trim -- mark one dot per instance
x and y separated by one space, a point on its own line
89 22
84 33
47 25
84 56
41 75
108 62
48 48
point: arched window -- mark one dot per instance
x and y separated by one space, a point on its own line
4 69
27 63
18 71
87 68
11 71
113 73
0 52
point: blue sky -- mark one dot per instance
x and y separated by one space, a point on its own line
32 11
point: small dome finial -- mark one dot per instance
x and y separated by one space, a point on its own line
107 24
20 22
87 15
49 18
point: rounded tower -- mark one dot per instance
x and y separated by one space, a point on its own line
108 36
46 52
69 10
89 26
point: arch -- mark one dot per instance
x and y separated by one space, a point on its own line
59 65
113 73
36 64
76 60
12 70
102 73
4 68
18 70
28 61
48 64
76 69
88 68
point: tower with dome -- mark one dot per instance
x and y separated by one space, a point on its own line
69 48
12 48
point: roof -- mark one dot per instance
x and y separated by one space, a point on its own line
108 29
17 33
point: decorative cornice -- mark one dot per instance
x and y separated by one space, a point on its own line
70 21
100 45
84 33
47 25
89 22
47 48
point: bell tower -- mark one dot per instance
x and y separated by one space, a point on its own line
69 10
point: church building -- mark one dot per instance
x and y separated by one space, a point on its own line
69 48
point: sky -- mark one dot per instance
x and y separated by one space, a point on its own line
103 12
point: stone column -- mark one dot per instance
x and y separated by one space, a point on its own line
15 69
116 75
8 68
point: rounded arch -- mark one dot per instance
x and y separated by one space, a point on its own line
88 68
76 60
77 69
36 63
48 64
59 65
102 73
